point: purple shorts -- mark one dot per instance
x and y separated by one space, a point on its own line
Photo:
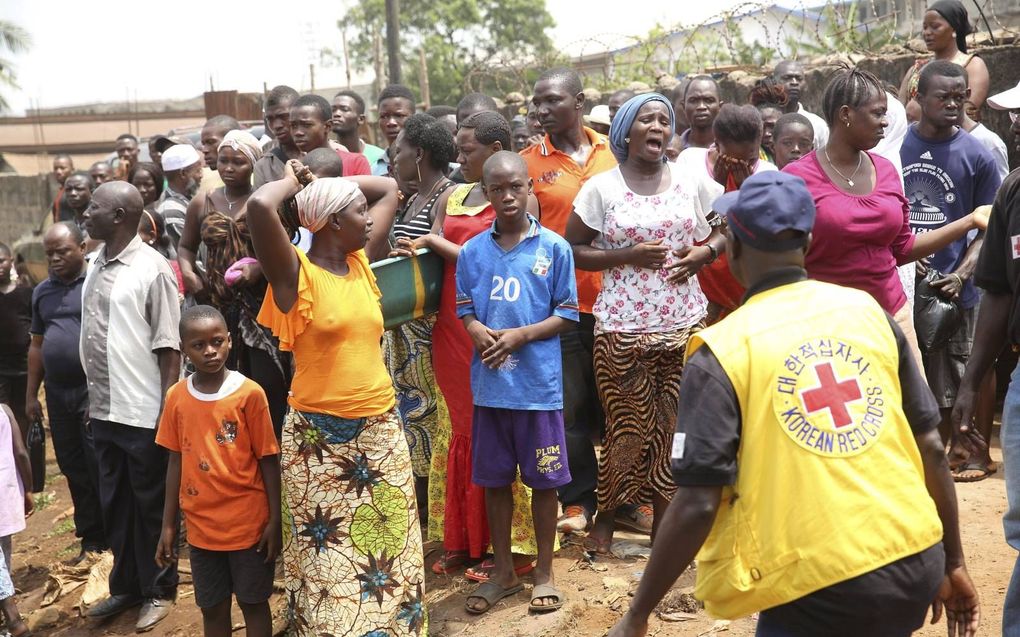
504 439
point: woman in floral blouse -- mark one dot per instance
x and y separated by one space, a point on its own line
641 223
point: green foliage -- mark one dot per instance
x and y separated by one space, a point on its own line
839 31
13 40
469 45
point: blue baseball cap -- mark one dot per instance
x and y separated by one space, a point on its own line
768 204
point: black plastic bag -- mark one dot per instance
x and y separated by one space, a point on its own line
37 454
936 318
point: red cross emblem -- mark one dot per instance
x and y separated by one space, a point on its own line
832 394
1015 243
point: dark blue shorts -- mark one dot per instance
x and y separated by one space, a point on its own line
504 439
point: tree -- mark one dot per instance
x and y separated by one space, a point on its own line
839 30
13 40
469 44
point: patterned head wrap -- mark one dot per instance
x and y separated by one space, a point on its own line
620 129
244 143
323 197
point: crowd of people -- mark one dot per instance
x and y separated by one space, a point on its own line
748 331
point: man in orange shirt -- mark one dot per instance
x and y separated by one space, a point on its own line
559 165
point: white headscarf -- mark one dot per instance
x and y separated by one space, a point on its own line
323 197
895 132
244 143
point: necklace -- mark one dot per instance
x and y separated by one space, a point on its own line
426 198
230 204
850 179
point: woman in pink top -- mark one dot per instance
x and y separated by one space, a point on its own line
862 230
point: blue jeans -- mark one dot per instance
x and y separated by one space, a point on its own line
1010 438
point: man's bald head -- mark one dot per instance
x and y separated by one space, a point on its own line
114 212
64 230
504 161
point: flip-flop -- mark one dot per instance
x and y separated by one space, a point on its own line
450 562
491 593
480 572
983 472
545 591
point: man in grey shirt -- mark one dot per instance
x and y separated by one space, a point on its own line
130 350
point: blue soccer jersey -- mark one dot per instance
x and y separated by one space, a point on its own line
513 288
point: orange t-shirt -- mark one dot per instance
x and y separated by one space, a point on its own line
334 330
557 180
221 438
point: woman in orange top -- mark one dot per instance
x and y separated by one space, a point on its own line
352 558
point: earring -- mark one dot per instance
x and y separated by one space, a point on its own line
417 166
626 139
848 123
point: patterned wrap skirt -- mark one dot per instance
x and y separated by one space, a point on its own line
352 551
638 378
408 354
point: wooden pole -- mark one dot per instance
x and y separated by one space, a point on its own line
377 49
423 79
311 76
347 59
393 39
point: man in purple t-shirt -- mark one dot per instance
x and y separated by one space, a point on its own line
947 174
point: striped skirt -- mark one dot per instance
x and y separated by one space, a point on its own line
638 378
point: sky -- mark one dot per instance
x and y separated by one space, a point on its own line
118 50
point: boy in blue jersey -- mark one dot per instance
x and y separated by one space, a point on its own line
515 293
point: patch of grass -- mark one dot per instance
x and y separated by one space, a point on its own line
69 551
66 526
42 500
52 477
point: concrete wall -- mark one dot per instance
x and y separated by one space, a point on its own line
24 204
1003 64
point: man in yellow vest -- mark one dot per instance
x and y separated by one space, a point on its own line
812 476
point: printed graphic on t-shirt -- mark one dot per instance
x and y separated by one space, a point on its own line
827 398
1014 243
929 190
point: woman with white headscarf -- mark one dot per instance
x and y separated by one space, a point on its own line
889 147
217 223
352 548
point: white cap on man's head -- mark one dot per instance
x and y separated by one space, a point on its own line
179 156
1006 100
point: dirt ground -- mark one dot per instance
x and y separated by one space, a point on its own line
597 593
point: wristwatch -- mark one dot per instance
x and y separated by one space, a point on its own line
713 250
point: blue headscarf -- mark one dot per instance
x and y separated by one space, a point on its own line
620 129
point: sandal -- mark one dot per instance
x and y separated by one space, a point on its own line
490 593
545 591
480 572
980 471
450 562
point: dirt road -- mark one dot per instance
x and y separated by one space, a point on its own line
597 594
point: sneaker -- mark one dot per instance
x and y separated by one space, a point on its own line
635 518
575 519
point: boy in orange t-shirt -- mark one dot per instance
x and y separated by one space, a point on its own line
225 466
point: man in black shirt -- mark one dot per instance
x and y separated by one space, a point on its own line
56 331
998 274
15 318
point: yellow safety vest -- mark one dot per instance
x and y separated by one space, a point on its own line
830 483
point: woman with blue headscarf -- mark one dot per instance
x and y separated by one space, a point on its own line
641 225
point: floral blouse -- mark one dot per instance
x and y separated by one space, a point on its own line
636 299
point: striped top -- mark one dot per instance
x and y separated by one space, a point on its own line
420 224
